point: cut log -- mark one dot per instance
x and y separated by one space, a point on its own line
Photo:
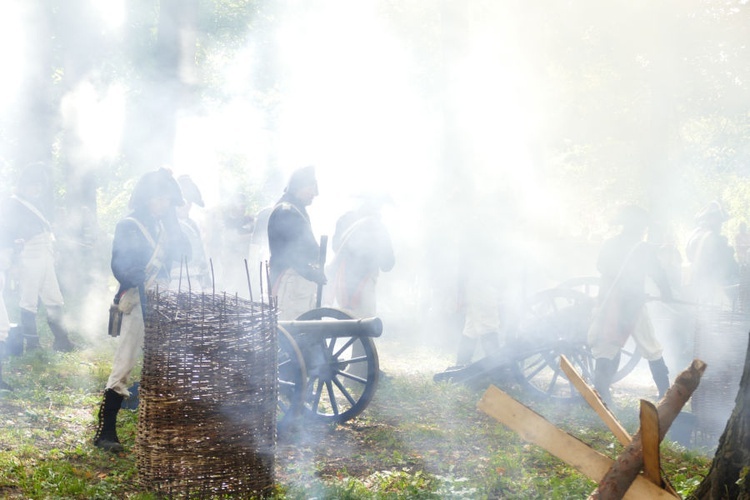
628 465
596 403
536 429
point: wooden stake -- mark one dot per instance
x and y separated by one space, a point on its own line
593 399
650 438
536 429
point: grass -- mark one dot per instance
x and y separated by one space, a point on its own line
417 439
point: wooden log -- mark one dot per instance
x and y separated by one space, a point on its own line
596 403
536 429
628 465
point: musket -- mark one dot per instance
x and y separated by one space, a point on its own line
651 298
322 264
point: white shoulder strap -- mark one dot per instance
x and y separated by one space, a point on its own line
33 210
155 262
352 229
143 230
296 209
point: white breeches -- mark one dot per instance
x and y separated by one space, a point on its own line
482 310
126 356
37 277
643 335
295 294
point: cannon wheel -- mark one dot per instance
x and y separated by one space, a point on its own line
292 379
554 323
342 372
540 374
629 355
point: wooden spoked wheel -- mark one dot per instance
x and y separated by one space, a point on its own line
292 376
554 323
342 372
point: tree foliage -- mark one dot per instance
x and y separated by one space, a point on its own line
625 102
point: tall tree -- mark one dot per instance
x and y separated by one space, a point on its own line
37 120
80 47
167 76
727 478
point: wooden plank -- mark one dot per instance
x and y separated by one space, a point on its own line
536 429
650 436
650 439
593 399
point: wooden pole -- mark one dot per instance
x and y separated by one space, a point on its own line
596 403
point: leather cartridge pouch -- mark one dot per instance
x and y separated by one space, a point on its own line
115 319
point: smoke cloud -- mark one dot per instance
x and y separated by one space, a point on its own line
482 121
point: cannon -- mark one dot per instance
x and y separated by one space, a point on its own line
552 322
368 327
328 366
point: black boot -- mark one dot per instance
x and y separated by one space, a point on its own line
106 433
604 373
54 320
28 321
466 347
490 343
3 354
14 342
660 373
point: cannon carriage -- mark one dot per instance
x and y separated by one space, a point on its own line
551 323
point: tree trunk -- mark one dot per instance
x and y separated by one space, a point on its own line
78 30
152 115
37 120
733 454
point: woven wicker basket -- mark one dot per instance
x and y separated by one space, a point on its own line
208 396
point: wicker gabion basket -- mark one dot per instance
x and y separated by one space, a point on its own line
208 396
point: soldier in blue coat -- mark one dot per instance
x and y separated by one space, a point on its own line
26 228
294 268
146 244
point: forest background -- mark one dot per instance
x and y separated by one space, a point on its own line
537 120
561 112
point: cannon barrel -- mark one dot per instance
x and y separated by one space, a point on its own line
365 327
